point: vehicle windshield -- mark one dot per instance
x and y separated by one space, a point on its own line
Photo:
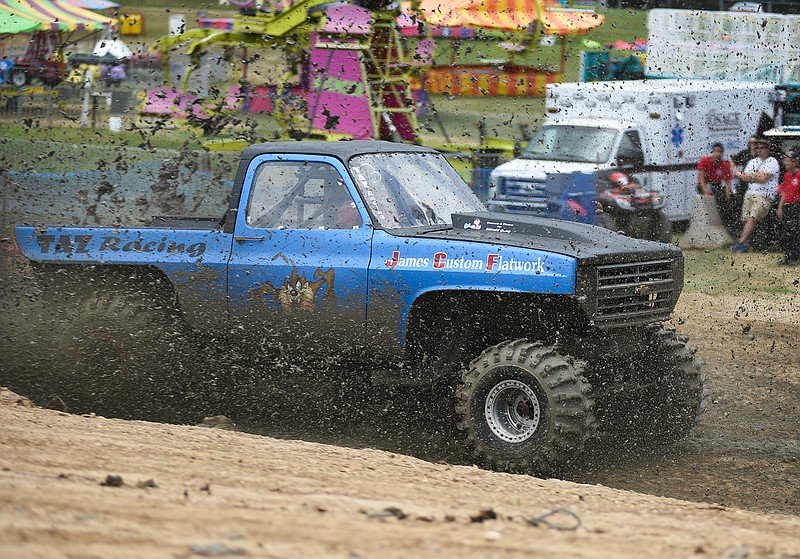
579 144
412 189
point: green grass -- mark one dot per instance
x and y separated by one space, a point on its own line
720 272
75 150
71 150
171 139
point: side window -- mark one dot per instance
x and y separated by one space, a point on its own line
630 149
300 195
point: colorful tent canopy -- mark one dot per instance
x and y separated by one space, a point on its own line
90 4
11 23
509 15
56 17
562 21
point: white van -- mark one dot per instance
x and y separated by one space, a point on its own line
654 130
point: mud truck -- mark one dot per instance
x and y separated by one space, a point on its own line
379 253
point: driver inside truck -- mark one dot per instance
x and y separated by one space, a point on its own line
337 209
341 211
298 195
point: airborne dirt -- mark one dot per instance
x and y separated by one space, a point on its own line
745 451
729 490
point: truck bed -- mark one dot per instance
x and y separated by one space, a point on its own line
186 222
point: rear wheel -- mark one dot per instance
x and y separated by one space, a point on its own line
51 81
120 355
523 407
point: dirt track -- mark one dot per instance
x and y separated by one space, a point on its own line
745 452
278 498
192 491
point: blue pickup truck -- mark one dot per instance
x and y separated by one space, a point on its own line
380 253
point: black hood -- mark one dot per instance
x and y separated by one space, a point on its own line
586 243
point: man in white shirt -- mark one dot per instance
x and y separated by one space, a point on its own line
761 175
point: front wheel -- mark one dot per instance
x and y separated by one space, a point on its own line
651 226
663 232
524 407
676 397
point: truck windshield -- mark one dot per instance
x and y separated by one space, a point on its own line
412 189
580 144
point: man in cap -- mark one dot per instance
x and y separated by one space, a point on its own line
789 208
761 176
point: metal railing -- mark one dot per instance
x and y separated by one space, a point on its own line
45 106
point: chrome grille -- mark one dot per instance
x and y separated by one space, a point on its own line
529 189
636 292
522 195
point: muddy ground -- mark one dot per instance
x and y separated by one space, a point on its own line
729 490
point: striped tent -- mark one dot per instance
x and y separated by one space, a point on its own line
546 16
11 23
56 16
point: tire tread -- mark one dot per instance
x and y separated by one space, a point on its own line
573 422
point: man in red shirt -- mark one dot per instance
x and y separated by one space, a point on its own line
715 178
789 208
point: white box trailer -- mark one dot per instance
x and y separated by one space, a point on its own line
740 46
656 130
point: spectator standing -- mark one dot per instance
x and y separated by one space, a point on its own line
740 159
761 175
789 209
714 177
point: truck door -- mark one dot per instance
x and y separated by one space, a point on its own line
630 155
298 269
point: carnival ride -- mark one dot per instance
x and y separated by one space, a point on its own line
351 65
348 68
519 27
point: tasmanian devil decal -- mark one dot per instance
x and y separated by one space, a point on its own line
297 293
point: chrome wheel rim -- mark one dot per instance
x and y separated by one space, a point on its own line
512 411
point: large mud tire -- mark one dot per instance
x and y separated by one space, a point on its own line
675 398
523 407
608 221
120 357
651 227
